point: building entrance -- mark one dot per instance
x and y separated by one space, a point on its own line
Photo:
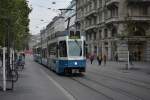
136 49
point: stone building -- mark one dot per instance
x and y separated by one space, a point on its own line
70 13
48 33
116 27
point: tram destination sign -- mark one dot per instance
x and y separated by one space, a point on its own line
74 35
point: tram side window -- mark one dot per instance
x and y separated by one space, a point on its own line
44 53
53 50
38 51
62 49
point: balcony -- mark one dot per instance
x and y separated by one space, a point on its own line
91 13
139 0
111 20
91 27
111 3
139 18
147 2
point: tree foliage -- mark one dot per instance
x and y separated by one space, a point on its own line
14 22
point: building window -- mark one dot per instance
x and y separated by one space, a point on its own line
100 17
95 4
144 10
114 12
100 32
94 36
114 32
106 14
100 3
90 7
95 20
87 37
106 33
106 43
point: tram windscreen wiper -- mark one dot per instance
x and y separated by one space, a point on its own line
79 47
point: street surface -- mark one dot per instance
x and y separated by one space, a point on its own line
109 82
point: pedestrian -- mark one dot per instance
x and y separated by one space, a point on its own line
130 58
104 58
23 54
99 59
91 58
116 57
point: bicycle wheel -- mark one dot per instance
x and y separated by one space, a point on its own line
12 76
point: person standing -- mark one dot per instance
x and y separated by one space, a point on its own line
130 58
99 59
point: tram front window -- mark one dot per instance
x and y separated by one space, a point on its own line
75 48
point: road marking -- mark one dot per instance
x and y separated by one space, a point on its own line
66 93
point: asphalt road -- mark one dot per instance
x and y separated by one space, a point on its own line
98 83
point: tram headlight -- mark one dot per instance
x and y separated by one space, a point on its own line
75 63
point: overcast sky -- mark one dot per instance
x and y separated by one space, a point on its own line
43 11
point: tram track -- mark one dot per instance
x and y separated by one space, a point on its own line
121 91
82 81
129 81
142 81
93 89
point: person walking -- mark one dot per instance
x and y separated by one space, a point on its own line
104 58
116 56
91 58
99 59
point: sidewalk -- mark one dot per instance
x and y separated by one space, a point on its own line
33 84
138 71
112 65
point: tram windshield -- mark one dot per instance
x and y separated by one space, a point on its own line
75 48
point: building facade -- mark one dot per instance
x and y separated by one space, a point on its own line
116 27
34 39
70 13
56 25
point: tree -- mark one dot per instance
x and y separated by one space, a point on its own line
14 19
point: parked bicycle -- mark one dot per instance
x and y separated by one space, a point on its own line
11 73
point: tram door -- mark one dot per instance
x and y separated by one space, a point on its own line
137 50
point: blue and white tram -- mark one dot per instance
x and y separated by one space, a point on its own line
44 54
66 52
37 53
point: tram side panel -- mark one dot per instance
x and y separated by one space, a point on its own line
68 66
